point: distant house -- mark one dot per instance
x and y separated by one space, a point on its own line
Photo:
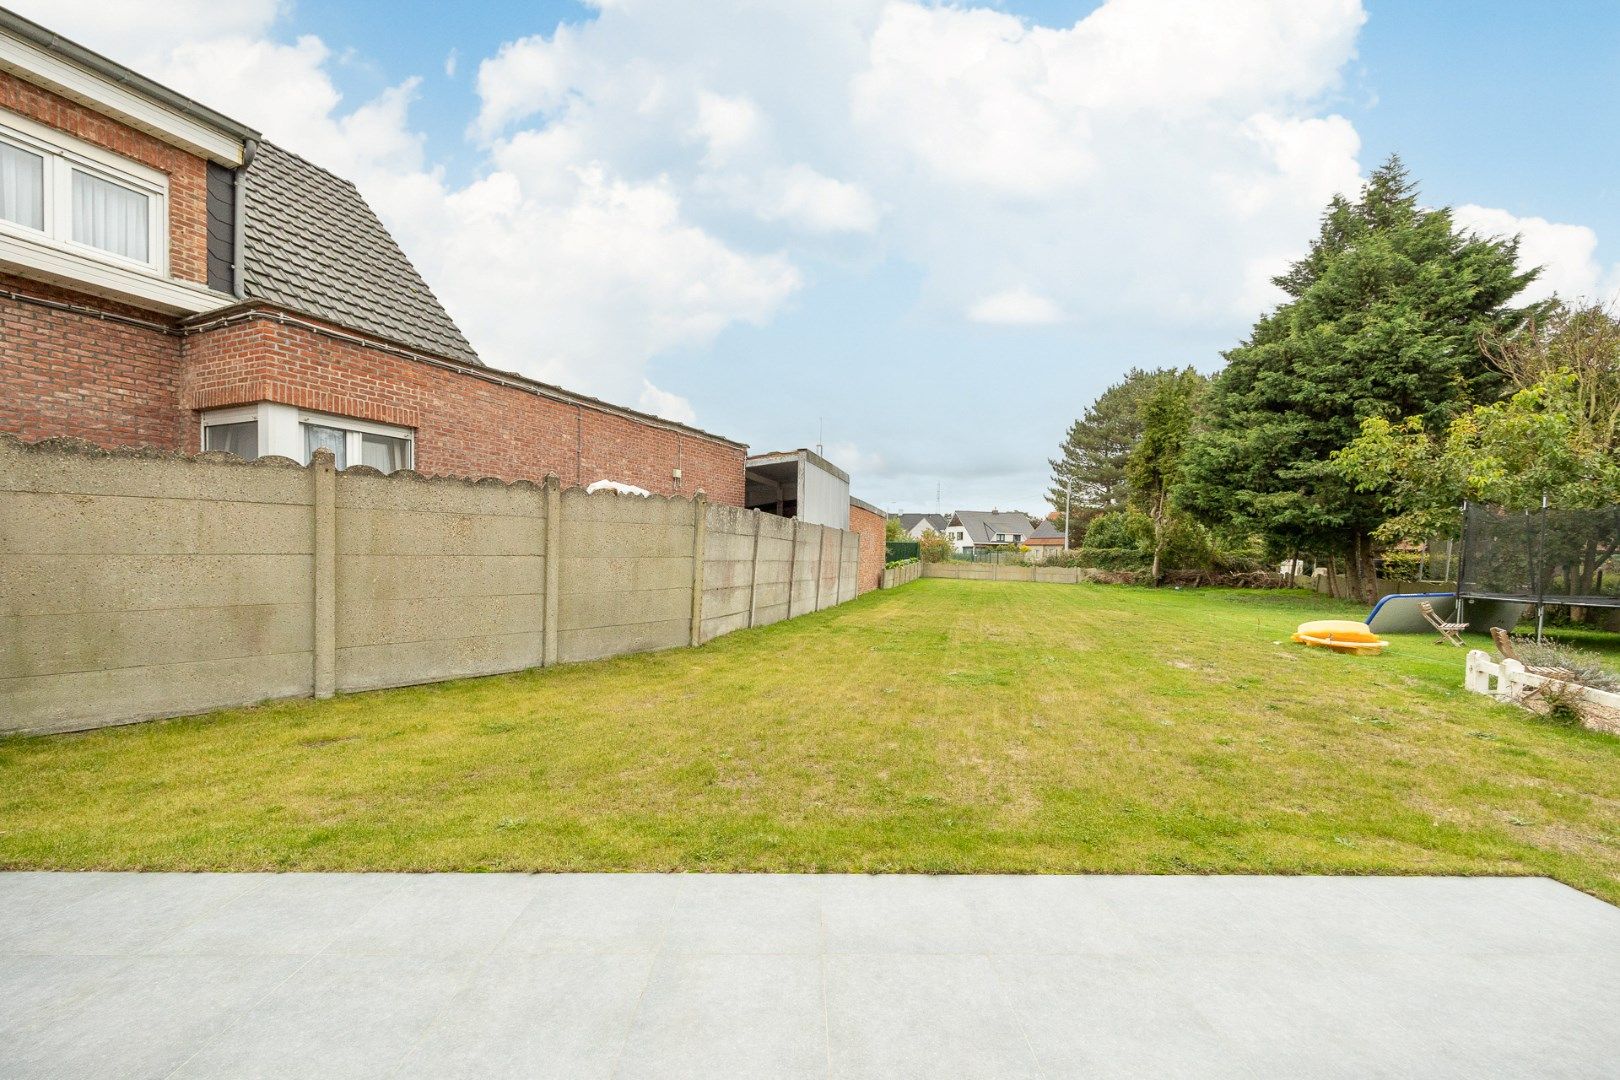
914 525
969 529
1044 542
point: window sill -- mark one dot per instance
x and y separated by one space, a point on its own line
59 266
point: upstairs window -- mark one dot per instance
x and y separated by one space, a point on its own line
22 187
110 216
59 191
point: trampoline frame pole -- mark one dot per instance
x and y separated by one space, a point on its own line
1462 565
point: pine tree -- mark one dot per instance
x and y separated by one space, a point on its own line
1384 318
1096 448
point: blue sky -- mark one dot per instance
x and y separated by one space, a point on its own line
933 234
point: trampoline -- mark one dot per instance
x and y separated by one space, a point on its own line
1544 556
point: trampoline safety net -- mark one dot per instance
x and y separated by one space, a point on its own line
1549 556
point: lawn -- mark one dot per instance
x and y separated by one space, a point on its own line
943 726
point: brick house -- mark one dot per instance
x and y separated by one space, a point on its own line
870 524
170 279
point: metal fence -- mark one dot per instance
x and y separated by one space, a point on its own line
997 556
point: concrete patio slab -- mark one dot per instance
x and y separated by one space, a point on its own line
653 976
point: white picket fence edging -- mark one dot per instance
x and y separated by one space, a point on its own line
1507 680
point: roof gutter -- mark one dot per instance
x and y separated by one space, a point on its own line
115 72
250 148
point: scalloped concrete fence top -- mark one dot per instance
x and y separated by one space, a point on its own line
135 584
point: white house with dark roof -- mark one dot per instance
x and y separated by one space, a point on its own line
970 529
915 525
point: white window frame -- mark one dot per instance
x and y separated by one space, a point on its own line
352 430
281 430
218 417
63 154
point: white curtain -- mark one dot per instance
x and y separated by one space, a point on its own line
383 452
22 186
317 437
109 216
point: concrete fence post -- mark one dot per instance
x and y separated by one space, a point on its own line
855 578
821 555
793 564
323 475
553 556
753 572
700 529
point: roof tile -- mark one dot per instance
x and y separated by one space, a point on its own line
313 245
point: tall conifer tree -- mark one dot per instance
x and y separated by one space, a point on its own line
1384 318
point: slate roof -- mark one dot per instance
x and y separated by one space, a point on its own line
313 245
1046 532
936 522
982 525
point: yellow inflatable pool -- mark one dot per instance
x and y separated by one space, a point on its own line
1340 635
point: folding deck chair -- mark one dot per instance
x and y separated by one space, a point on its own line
1449 631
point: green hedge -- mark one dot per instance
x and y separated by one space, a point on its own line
896 550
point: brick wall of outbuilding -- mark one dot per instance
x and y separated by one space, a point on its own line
465 425
871 529
188 174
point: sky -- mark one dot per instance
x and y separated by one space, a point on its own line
924 236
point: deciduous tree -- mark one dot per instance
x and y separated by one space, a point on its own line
1154 466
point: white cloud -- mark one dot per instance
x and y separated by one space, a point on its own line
1567 254
651 175
797 196
725 124
855 460
1015 307
554 262
663 403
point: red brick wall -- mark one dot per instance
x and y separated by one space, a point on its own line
63 373
188 174
464 424
871 529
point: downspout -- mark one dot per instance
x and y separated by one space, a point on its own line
250 148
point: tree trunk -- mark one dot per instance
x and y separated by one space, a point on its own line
1158 534
1369 571
1363 574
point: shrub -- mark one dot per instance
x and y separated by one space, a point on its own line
1585 668
934 547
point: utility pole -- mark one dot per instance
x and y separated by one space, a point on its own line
1068 502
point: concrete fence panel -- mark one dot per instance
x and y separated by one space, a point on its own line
135 585
895 576
436 579
625 574
773 567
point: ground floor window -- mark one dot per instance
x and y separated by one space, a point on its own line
240 438
254 431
